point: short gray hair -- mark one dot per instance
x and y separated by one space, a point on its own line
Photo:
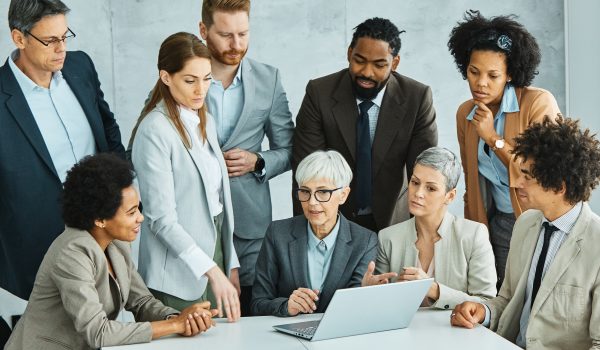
444 161
329 165
24 14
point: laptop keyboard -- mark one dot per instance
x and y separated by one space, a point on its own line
307 330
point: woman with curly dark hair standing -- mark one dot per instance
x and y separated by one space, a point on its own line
498 57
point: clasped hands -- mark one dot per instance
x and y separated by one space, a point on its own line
195 319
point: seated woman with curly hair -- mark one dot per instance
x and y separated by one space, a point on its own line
87 276
498 57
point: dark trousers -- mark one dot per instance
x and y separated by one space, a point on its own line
4 332
245 300
366 221
501 225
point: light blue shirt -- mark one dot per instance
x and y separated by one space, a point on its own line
319 255
59 117
490 166
226 105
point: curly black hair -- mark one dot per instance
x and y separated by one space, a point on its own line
380 29
479 33
93 189
562 154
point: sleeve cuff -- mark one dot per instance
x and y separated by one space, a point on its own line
197 261
488 314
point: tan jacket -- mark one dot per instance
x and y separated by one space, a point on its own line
534 104
72 305
566 311
464 261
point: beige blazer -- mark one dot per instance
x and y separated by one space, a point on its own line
534 104
464 261
566 311
74 303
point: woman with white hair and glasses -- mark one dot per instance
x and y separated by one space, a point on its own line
306 258
434 243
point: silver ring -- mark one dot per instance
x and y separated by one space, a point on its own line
452 315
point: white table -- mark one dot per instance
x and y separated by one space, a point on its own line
430 329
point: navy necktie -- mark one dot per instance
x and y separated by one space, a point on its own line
548 230
363 157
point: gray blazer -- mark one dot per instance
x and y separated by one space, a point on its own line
282 265
176 207
464 260
265 112
74 302
566 311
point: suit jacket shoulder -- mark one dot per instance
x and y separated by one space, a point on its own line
261 69
409 84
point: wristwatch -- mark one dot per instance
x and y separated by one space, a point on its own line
260 163
498 144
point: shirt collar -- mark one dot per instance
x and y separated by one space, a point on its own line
377 100
509 103
189 116
236 80
329 240
566 222
26 84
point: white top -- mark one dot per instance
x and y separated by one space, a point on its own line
431 274
214 182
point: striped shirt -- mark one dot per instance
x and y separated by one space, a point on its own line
373 112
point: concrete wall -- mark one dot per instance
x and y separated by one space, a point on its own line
305 39
582 69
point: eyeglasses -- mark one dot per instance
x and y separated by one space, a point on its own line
54 41
320 195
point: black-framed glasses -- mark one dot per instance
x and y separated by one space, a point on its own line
54 41
303 195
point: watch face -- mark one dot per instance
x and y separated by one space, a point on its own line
499 144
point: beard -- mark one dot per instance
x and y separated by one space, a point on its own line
222 56
367 93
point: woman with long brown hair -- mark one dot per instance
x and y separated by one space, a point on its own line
187 238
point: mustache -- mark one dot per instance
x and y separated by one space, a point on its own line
234 52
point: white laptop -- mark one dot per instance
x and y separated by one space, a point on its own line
363 310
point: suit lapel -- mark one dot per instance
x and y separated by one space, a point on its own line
563 259
443 249
390 114
248 82
87 100
121 274
345 112
299 254
193 155
411 254
19 110
339 260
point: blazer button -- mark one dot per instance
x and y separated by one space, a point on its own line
446 306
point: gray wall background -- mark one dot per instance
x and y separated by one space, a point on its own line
305 39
